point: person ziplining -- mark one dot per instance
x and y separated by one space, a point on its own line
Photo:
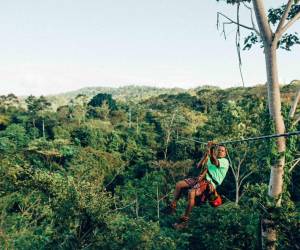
213 169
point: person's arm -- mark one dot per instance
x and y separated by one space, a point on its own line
213 157
203 161
207 153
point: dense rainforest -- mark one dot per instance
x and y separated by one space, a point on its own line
94 170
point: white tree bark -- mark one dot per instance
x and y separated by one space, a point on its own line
262 20
239 177
294 105
274 100
276 177
270 40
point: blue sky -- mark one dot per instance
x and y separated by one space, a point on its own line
53 46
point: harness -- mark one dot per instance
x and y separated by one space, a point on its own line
215 199
212 178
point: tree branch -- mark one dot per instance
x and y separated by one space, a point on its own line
284 17
296 121
294 105
252 20
223 30
262 21
238 169
151 197
234 22
128 205
233 171
231 166
288 25
242 180
294 165
237 42
244 157
166 195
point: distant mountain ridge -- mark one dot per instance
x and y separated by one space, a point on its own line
137 93
124 94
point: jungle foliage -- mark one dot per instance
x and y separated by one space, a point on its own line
95 173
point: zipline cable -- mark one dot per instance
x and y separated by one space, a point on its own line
263 137
190 139
247 139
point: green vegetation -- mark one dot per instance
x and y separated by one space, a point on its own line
95 172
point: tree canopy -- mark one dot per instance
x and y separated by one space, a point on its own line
101 183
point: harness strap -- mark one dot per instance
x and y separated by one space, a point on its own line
212 178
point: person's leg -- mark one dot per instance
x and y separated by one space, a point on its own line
191 203
171 208
177 193
185 218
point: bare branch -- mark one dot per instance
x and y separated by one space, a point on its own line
294 165
160 199
150 197
237 42
234 22
223 25
237 175
296 120
223 30
242 180
292 161
284 17
252 19
294 104
231 166
241 195
244 157
233 171
166 195
128 205
288 25
238 169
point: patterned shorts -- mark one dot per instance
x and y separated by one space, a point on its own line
203 188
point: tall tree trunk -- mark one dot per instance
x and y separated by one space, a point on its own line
269 233
295 102
276 177
237 192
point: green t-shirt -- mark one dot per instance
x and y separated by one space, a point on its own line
218 173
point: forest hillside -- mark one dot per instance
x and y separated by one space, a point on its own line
93 169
